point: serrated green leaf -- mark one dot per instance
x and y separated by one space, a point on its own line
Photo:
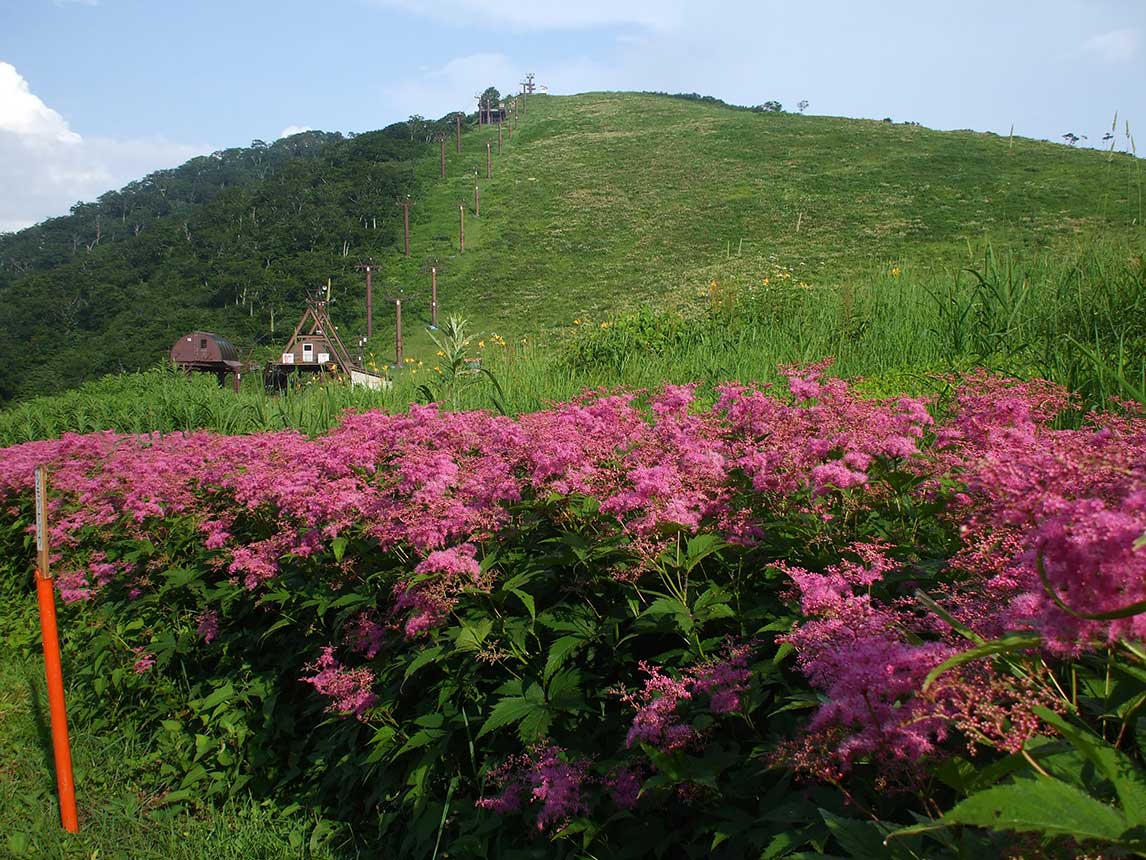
1044 805
508 711
472 636
178 577
1128 779
671 606
561 650
700 547
859 838
565 689
423 658
535 725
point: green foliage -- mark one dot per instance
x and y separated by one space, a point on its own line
457 370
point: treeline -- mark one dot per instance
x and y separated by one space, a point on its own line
222 242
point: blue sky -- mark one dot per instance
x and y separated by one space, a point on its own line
94 93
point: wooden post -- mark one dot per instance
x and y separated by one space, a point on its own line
458 138
514 118
433 296
369 304
369 268
488 162
477 201
53 670
461 228
406 204
499 135
398 332
406 225
442 141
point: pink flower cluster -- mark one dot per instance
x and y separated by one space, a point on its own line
861 655
348 689
1049 521
658 720
546 777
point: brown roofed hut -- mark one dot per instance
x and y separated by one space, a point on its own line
204 352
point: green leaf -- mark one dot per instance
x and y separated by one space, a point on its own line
338 547
1128 779
700 547
1043 805
671 606
1006 645
713 604
535 725
473 635
423 658
221 694
560 651
859 838
178 577
508 711
565 690
956 625
527 599
420 738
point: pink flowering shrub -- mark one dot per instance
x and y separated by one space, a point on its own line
348 689
544 779
629 619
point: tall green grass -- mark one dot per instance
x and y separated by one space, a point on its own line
1077 317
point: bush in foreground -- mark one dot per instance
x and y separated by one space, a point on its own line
795 621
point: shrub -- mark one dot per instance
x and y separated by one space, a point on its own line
626 625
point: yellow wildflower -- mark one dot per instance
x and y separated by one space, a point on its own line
896 271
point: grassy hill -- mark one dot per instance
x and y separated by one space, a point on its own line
605 201
599 203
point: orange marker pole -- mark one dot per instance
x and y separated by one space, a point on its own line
46 593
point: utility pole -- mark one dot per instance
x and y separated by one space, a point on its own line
442 142
398 331
433 297
499 135
461 228
488 163
369 266
477 201
514 118
406 204
458 137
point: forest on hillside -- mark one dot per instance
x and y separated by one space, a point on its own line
223 242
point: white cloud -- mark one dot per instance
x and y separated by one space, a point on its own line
1117 46
45 167
547 14
24 114
454 85
292 130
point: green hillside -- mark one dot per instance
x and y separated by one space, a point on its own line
598 203
608 200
